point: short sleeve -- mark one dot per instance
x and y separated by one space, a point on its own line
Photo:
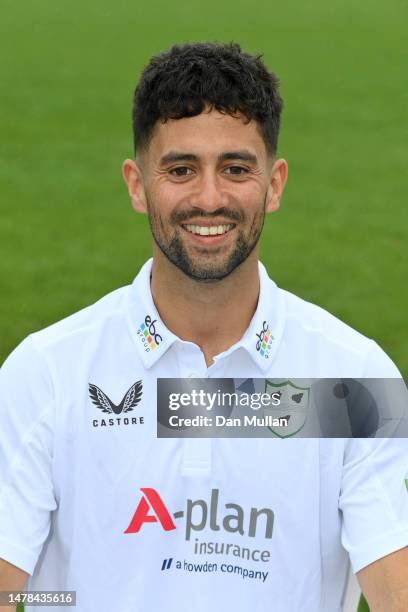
374 499
27 412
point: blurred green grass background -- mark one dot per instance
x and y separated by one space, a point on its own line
67 233
68 70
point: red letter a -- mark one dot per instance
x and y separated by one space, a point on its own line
141 515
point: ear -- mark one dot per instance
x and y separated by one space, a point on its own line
133 178
279 175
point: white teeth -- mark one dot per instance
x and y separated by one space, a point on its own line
208 231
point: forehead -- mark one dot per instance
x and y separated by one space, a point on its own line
206 135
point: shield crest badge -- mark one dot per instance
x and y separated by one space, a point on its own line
294 406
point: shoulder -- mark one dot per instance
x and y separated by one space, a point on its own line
110 309
69 340
324 336
314 320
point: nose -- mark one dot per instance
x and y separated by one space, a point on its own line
210 194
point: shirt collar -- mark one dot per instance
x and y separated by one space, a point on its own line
153 338
262 338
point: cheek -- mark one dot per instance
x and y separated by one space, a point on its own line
252 192
165 197
253 203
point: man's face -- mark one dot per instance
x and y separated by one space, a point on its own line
206 185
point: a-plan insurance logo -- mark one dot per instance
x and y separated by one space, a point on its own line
247 532
264 341
147 332
130 400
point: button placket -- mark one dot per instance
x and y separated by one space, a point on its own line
196 454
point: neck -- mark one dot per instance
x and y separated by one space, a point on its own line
212 315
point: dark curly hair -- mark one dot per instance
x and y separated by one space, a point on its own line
187 78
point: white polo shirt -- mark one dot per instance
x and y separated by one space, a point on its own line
92 501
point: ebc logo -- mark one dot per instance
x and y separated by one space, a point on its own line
148 334
264 342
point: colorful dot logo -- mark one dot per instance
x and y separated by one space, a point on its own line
148 337
265 340
148 334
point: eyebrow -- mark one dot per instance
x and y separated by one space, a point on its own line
243 155
177 156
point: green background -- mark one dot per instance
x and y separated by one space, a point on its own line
68 70
67 232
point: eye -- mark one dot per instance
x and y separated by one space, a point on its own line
181 171
236 170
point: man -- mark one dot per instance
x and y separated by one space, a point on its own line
91 499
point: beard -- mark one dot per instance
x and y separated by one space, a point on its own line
209 265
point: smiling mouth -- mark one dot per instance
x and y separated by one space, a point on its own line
208 230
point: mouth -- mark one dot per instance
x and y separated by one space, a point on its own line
208 230
210 235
